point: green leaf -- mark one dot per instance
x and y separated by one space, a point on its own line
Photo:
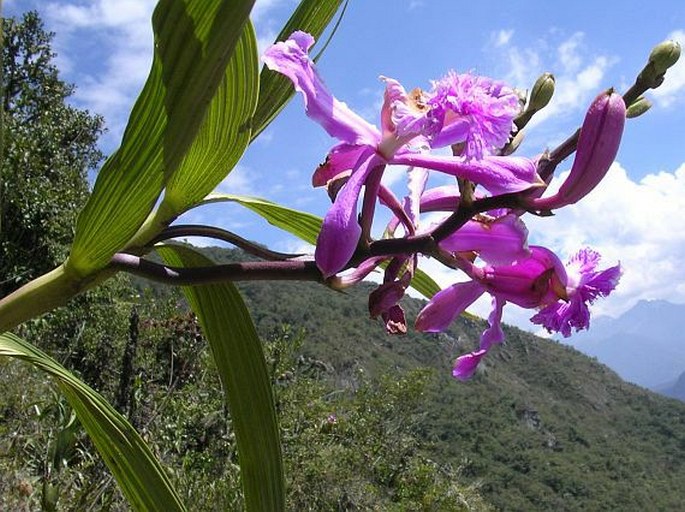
301 224
311 16
225 132
140 476
306 227
239 358
424 284
194 42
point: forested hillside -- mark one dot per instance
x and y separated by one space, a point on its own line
542 426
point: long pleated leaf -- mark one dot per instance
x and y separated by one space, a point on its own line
139 474
225 131
239 358
306 227
312 16
301 224
194 42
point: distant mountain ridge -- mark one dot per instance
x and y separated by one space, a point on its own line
645 345
674 389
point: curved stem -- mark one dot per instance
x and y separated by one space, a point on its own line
296 270
225 236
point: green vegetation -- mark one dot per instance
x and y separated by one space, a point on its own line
49 149
344 446
368 421
540 427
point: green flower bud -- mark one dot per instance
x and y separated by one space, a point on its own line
638 107
513 145
542 92
664 55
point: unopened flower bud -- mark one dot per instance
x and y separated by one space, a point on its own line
542 92
638 107
664 55
598 144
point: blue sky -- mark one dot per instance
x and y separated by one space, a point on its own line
104 47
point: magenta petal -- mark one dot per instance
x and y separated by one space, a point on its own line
456 132
487 106
340 231
499 242
493 334
341 158
602 283
357 274
388 198
400 116
600 137
445 198
385 296
291 59
563 317
465 366
527 282
498 174
446 305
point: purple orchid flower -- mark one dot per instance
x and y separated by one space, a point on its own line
583 286
563 293
476 111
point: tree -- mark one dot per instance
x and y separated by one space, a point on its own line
49 148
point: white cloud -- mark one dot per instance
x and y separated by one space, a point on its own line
568 53
240 181
122 53
632 222
502 37
262 8
672 88
578 73
119 42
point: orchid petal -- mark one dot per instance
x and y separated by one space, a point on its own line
340 159
405 115
292 60
487 107
454 133
385 296
498 174
445 198
499 242
528 282
465 366
389 199
446 305
357 274
340 231
562 317
601 284
494 333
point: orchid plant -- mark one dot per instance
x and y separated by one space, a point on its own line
206 100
